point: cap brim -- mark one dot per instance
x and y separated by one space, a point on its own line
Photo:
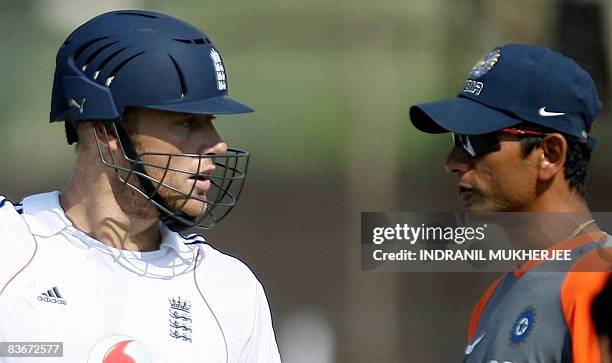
460 115
221 105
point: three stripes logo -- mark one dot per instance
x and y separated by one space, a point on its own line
52 296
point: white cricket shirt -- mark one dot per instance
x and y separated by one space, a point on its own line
182 303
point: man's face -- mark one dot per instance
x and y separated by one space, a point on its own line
158 133
499 181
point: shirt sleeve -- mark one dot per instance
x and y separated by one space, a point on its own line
583 282
17 246
261 346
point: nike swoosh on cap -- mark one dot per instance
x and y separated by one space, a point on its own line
542 112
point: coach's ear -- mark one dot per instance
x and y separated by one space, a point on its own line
552 158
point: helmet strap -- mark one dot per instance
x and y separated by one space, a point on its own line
169 220
71 133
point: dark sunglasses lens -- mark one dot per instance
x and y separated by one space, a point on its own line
476 145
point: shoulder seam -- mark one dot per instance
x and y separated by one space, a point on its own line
194 239
18 207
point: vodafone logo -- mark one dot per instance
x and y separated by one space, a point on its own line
119 349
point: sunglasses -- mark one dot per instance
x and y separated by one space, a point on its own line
478 145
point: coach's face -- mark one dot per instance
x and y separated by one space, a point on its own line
157 134
499 181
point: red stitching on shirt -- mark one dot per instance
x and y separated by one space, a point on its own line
23 268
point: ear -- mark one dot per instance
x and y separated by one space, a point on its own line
552 158
105 135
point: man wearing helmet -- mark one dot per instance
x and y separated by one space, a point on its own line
106 266
160 138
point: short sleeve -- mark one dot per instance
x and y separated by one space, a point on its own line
261 346
583 282
17 246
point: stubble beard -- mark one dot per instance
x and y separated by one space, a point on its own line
134 203
130 201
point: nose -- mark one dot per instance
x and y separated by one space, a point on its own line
220 147
458 161
212 143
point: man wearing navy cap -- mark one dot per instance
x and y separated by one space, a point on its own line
520 128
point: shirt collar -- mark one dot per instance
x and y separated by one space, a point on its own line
170 239
45 217
569 244
44 214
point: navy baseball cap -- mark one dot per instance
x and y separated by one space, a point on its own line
512 84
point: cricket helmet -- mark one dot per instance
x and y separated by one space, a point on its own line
136 58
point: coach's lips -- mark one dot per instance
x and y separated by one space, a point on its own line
466 192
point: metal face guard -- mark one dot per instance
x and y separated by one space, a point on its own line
227 180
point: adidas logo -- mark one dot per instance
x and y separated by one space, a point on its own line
52 296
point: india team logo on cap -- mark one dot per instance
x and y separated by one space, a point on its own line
485 64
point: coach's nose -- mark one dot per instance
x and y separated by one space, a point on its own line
458 161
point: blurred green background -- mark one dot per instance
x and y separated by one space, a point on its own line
332 82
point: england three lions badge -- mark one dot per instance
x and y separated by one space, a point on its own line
180 319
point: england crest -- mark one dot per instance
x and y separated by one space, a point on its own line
180 319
